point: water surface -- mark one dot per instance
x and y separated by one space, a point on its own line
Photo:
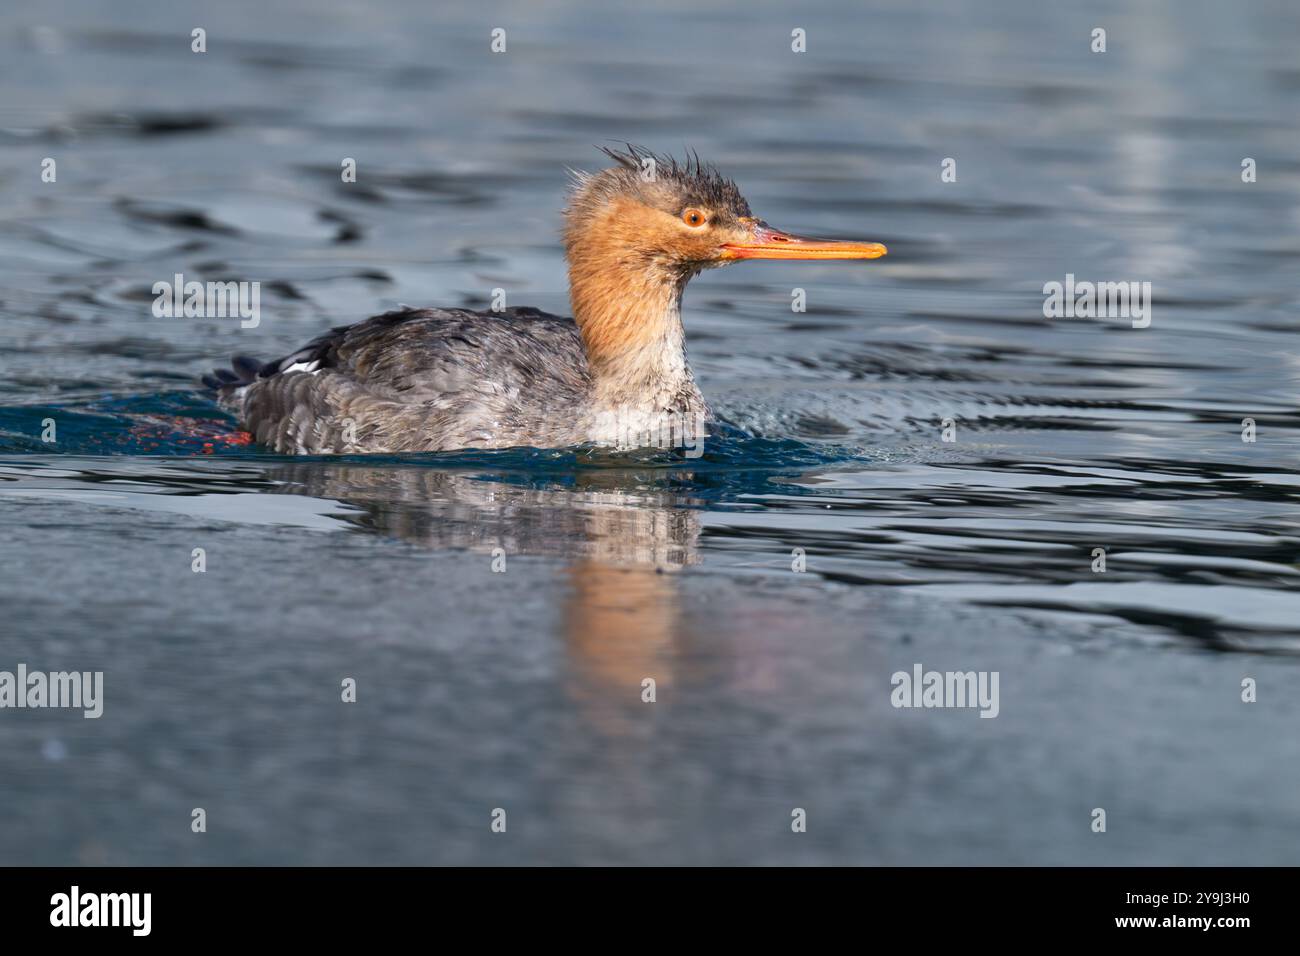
522 689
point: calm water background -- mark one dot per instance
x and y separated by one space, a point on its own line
521 690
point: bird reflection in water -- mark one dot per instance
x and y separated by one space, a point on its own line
621 614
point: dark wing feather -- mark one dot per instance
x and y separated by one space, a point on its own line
415 378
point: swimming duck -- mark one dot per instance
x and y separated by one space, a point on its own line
418 380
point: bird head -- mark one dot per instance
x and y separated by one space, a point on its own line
678 218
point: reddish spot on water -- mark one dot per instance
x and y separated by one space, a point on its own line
205 436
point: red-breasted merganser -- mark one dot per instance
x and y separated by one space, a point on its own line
441 379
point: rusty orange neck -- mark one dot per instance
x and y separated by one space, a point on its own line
628 309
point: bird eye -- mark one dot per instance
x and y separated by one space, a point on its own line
693 217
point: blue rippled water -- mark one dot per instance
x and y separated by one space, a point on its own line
828 536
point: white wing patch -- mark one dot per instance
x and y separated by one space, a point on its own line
310 368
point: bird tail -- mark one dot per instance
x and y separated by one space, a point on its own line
244 370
